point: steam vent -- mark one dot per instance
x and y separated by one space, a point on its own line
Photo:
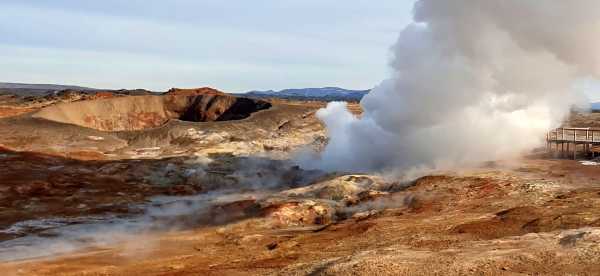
149 111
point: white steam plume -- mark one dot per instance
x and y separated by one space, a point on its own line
474 80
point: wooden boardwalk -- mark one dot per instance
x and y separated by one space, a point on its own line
567 140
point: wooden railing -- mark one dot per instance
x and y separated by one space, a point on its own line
574 135
588 138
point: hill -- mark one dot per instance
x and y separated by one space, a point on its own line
27 89
323 94
11 85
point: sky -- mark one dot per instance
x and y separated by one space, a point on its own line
235 45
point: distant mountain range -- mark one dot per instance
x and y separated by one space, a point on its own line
325 93
320 94
595 106
26 89
11 85
29 90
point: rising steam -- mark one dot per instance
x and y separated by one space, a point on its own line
473 81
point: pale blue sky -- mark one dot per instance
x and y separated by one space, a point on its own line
234 45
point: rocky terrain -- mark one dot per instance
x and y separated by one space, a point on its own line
198 182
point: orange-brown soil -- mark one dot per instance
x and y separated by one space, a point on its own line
13 111
538 217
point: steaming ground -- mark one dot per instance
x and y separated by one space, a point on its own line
251 187
57 236
527 217
151 193
224 180
222 198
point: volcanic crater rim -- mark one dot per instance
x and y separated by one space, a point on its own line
134 113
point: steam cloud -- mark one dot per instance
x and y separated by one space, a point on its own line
473 81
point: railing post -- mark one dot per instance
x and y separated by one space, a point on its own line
587 134
585 146
547 142
574 144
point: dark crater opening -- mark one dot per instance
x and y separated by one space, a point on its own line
221 108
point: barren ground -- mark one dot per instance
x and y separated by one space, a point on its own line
222 198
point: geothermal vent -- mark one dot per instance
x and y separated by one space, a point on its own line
143 112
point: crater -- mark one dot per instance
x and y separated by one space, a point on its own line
150 111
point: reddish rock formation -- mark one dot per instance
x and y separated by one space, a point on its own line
194 91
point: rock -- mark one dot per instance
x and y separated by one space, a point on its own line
371 195
251 238
365 215
176 266
571 240
181 190
113 168
339 188
34 188
351 200
272 246
95 138
232 210
298 213
221 230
